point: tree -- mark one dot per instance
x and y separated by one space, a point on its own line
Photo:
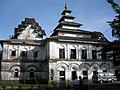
115 24
112 49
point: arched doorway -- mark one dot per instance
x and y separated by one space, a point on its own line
61 73
74 73
31 73
16 73
84 67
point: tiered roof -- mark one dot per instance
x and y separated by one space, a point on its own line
67 20
68 30
24 24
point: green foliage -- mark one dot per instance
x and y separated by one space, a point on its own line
112 50
115 6
115 24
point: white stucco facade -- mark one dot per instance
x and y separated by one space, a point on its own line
67 53
24 54
74 52
78 65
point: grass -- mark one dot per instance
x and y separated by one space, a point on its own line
48 87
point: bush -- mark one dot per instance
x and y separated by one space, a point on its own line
54 83
69 83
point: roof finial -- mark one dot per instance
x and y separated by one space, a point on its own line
66 7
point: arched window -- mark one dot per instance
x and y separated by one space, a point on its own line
85 74
62 73
16 73
31 73
95 72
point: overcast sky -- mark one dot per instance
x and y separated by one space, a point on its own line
93 14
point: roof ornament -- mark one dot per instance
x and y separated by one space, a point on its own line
66 7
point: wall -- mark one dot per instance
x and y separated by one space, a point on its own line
79 65
7 49
10 63
55 46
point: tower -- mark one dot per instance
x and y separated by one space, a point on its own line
66 22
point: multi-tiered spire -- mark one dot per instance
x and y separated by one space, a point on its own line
67 21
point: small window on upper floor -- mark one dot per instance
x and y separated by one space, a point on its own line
83 54
104 55
73 54
35 54
24 53
13 53
62 53
94 54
